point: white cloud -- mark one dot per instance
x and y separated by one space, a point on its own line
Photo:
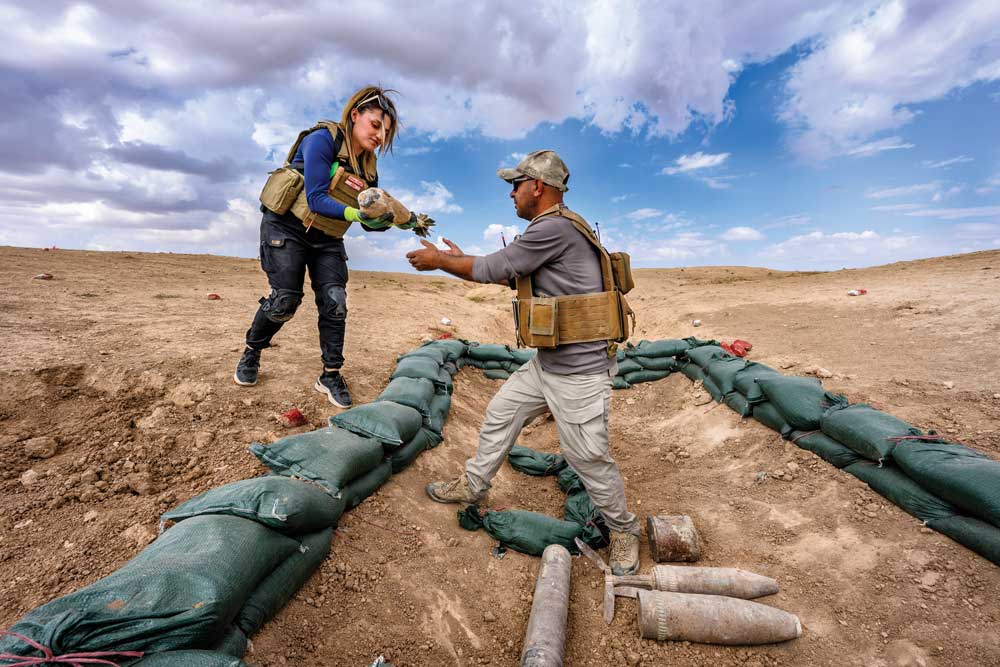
788 221
511 160
882 145
494 231
903 191
434 197
620 198
956 213
862 79
741 234
947 163
896 208
846 246
410 151
694 161
989 186
644 214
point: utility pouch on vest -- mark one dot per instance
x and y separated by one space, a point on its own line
621 268
543 321
281 189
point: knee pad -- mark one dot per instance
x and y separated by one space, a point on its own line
333 301
281 304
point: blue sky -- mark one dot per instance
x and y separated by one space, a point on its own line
837 134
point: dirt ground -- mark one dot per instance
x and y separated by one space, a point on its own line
127 364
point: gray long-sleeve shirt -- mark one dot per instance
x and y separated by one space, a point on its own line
560 261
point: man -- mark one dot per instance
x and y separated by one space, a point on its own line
572 380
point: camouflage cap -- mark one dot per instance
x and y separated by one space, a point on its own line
544 165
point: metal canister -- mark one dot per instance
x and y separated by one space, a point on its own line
673 539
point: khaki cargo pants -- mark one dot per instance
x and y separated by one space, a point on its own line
580 405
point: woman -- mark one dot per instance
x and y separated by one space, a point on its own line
308 205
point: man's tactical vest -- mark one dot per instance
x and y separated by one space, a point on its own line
546 322
285 187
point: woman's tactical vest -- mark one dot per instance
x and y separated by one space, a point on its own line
284 190
545 322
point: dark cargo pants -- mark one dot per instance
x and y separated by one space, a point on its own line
287 249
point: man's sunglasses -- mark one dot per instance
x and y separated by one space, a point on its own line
515 182
382 103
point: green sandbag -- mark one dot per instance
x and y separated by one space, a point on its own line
284 504
405 455
974 534
960 475
618 382
441 350
723 372
280 586
234 641
568 481
865 430
189 659
531 462
800 400
825 447
444 384
628 366
496 374
693 372
657 363
388 422
738 403
522 355
705 354
527 532
580 510
620 354
892 483
669 347
713 391
183 591
440 407
415 393
330 457
769 416
745 381
645 376
362 487
417 367
490 352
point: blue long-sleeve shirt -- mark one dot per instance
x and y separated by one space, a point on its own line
316 154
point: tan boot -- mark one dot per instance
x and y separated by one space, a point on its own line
623 553
453 491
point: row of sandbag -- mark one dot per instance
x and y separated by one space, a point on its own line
530 532
950 487
236 554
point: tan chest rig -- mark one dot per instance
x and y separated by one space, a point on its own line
284 190
547 322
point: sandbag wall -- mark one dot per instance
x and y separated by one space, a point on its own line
951 488
233 556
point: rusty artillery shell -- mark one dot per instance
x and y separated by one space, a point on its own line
545 639
713 619
672 539
726 581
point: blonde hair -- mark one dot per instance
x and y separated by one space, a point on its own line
366 167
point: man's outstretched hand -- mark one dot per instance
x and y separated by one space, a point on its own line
453 250
427 258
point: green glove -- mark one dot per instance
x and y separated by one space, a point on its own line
352 214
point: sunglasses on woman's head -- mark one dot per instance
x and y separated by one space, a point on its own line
382 103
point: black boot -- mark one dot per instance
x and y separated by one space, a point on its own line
247 368
332 384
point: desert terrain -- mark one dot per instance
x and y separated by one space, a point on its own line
124 361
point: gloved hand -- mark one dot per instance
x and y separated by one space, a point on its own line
420 224
352 214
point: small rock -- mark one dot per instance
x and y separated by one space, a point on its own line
90 516
29 478
139 535
792 466
696 323
489 616
141 483
948 384
41 448
996 396
203 439
633 658
785 365
819 372
629 401
23 524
